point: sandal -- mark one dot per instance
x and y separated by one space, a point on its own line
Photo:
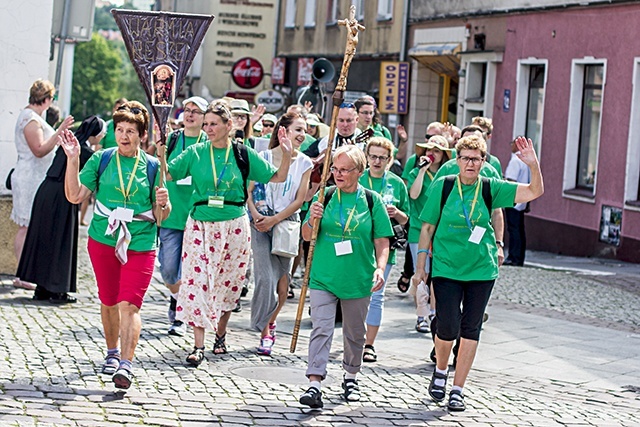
369 355
220 346
290 294
111 364
438 393
456 401
196 357
403 284
351 390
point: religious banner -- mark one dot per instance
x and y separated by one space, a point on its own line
161 46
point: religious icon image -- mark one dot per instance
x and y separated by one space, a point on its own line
163 83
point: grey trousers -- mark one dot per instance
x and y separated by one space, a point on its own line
323 315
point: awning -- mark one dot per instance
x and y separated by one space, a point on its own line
441 58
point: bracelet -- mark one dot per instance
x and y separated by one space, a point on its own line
423 251
309 225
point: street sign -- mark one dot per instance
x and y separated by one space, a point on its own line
272 100
247 73
80 23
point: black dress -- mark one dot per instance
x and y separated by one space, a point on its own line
50 254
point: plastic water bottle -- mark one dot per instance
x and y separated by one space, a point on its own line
260 198
387 195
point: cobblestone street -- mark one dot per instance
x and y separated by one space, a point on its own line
560 348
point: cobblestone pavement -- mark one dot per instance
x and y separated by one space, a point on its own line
50 359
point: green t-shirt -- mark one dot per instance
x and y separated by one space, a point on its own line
348 276
454 257
109 139
398 192
451 168
308 140
495 162
415 225
195 161
110 193
180 192
411 163
381 130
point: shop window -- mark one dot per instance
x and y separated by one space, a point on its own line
290 14
385 10
529 108
310 14
332 12
359 4
632 176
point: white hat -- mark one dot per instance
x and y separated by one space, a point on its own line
200 102
313 120
270 118
240 106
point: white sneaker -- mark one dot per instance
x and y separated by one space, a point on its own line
178 328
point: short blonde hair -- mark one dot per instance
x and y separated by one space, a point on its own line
40 91
484 122
354 154
382 142
472 142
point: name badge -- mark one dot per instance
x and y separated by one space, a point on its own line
124 214
216 202
343 248
476 234
184 181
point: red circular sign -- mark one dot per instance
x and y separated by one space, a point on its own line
247 73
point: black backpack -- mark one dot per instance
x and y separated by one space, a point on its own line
367 193
447 187
153 165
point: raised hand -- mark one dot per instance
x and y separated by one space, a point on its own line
66 124
525 152
285 142
69 143
402 132
308 105
258 111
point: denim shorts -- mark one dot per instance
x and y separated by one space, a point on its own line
170 255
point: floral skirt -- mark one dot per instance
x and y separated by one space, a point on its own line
214 263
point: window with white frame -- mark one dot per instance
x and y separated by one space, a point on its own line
530 94
310 14
290 14
385 10
583 134
632 176
332 11
359 4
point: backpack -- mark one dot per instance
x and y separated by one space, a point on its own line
173 141
447 187
367 193
153 165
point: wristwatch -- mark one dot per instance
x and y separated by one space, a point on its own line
500 243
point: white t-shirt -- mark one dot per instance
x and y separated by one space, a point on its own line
281 194
519 172
322 145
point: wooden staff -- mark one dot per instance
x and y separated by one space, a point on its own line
353 27
161 154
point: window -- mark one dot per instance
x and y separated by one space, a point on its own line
359 4
583 128
590 126
310 14
332 12
385 10
290 14
529 108
632 176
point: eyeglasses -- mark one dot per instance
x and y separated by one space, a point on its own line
341 171
189 111
134 110
347 105
268 125
474 160
366 113
376 158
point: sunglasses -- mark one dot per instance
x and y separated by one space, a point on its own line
268 125
220 108
134 110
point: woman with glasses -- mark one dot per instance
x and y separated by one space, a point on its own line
349 261
465 260
283 202
35 143
394 196
216 240
122 234
241 116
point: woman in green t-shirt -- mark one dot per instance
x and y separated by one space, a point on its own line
216 240
465 259
396 200
122 234
351 252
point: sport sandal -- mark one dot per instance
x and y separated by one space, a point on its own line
111 364
196 357
456 401
369 354
122 378
312 398
438 393
351 390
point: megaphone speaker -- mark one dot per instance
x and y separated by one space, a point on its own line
323 70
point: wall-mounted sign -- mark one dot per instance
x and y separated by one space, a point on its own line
305 65
394 87
277 70
611 225
272 100
247 73
506 100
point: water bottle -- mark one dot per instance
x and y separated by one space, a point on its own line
387 195
260 198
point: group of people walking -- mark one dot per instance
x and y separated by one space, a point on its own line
226 201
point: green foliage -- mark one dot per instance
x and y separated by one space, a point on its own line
96 77
130 86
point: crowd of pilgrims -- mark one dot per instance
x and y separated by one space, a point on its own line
241 199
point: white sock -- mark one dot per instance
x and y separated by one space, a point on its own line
457 387
348 376
315 384
441 382
175 296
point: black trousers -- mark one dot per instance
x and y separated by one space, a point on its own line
517 237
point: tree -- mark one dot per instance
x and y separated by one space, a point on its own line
96 77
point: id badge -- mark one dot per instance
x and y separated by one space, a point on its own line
343 248
216 202
476 234
124 214
184 181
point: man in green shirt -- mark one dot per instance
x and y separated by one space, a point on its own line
172 230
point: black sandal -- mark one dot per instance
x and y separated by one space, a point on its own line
196 357
369 355
220 346
403 286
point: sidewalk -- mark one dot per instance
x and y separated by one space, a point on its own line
543 360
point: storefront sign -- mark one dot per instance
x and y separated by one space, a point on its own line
305 65
277 70
272 100
394 87
247 73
